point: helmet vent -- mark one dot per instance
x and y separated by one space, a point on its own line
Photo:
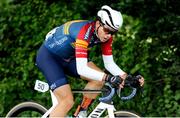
109 14
109 25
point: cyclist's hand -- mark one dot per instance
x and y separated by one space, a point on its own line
123 76
137 81
141 80
115 81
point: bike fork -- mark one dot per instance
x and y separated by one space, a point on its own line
111 112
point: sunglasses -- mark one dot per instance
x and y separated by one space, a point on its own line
107 30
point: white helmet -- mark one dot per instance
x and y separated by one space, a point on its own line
110 17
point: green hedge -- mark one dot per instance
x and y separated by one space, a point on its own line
147 44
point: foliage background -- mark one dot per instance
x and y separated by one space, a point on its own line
147 44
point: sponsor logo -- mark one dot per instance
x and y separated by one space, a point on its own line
87 33
58 42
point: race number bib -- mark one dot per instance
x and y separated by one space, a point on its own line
41 86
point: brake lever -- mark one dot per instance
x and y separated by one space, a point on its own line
118 91
141 88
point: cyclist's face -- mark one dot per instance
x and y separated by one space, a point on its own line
104 33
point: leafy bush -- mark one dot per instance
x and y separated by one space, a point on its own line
147 44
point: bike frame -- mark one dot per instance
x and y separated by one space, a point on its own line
100 108
96 113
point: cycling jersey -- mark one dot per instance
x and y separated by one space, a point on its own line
63 39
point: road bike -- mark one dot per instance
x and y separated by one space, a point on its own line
105 102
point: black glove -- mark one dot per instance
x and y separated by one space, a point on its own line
115 81
133 81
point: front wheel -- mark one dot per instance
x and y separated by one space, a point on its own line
119 114
27 109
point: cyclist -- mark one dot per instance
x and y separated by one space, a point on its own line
65 52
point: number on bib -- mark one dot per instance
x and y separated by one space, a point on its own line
41 86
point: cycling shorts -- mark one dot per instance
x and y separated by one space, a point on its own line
54 68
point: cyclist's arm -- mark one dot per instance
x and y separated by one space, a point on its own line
111 66
108 60
81 62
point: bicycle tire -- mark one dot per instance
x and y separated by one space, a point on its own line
119 114
26 106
